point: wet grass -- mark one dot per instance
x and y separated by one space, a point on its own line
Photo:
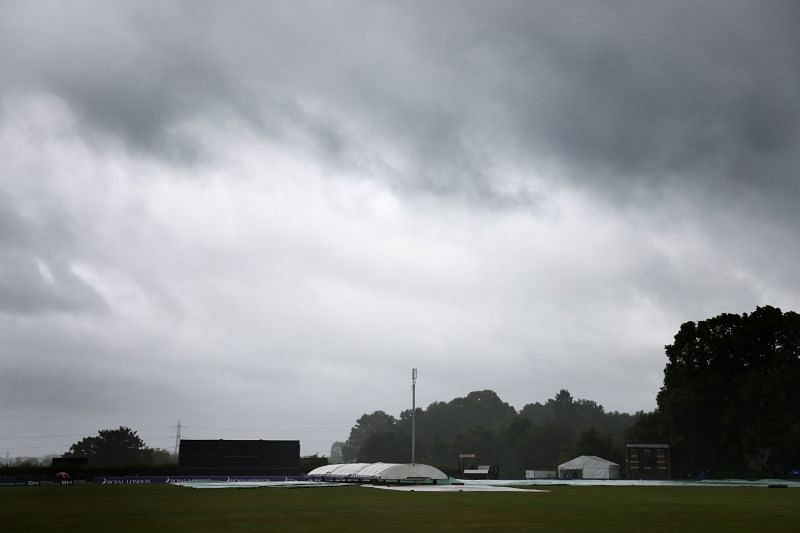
163 507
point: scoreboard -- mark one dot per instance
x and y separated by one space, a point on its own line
648 461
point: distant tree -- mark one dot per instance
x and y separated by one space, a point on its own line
649 428
516 451
541 436
553 443
113 447
563 404
386 446
479 440
368 424
591 442
580 415
26 462
442 453
160 456
336 452
447 420
310 462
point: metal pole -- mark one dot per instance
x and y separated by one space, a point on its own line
178 440
413 413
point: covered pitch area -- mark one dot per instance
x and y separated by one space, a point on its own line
380 473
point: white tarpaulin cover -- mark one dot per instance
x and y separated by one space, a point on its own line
592 467
309 484
256 484
377 471
454 488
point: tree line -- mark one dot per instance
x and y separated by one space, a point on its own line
538 436
119 447
728 406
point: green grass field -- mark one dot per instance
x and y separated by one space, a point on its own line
162 507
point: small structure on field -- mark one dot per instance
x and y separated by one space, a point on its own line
541 474
470 468
648 461
588 467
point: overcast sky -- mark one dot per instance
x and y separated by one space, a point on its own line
258 216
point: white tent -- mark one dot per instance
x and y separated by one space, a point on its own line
588 467
377 472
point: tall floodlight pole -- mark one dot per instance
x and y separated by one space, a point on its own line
413 413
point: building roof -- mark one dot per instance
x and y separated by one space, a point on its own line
586 461
378 471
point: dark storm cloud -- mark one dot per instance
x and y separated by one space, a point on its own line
636 95
122 71
625 95
671 94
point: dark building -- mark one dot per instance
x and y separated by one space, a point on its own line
239 457
648 461
70 462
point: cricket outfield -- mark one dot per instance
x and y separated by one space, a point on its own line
563 508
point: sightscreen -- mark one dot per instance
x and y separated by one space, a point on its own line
222 457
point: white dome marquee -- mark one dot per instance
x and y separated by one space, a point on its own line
379 472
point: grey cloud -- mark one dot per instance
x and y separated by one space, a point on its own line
13 230
654 94
677 121
24 289
122 71
34 277
669 93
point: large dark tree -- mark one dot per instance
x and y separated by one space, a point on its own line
113 447
449 419
731 392
386 446
649 427
368 424
578 414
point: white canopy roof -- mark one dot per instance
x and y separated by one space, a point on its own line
586 461
382 471
591 467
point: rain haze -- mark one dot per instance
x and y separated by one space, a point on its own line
257 217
